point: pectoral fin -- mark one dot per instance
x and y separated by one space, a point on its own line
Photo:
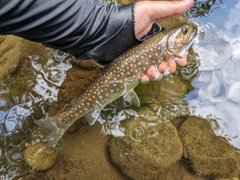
92 116
131 98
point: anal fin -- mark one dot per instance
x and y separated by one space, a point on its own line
131 98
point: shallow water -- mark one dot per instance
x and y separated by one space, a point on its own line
215 96
22 97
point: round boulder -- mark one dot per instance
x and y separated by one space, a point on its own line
209 154
40 156
150 146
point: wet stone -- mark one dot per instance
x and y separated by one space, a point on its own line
40 156
172 90
178 172
165 97
2 38
72 128
169 91
9 54
209 155
149 147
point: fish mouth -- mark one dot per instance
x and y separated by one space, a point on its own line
192 35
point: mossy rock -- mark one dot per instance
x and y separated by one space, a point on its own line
209 155
150 146
40 156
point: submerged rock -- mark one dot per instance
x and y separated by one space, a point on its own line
150 146
166 97
40 156
178 172
208 154
9 54
169 91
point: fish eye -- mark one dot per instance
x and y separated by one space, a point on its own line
184 30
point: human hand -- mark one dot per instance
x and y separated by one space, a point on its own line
156 72
145 14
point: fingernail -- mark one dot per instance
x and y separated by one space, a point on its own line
144 80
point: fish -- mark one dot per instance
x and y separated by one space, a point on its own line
120 79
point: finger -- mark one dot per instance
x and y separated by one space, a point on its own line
154 74
163 66
144 79
171 66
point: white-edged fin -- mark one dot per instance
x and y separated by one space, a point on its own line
92 116
131 98
55 131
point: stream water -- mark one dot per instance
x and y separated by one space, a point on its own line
216 93
217 85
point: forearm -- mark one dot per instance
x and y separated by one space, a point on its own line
74 26
84 28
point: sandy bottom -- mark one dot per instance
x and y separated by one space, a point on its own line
84 155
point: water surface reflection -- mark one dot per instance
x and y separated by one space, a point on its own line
216 95
23 96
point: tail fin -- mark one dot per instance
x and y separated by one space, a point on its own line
55 131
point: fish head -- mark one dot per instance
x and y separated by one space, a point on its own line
180 37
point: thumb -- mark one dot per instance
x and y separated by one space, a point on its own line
160 9
146 12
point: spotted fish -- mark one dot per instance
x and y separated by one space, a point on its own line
120 79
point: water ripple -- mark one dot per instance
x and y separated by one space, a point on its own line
217 83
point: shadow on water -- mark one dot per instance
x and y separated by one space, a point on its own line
208 87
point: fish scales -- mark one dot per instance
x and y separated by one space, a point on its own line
111 85
120 78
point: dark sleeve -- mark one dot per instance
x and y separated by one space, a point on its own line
83 28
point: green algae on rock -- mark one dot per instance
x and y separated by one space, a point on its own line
40 156
169 91
179 172
165 98
209 154
9 54
150 146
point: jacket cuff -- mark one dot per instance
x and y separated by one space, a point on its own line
118 39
